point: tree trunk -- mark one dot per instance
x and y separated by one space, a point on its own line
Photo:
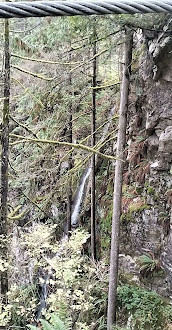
93 127
4 160
69 190
121 139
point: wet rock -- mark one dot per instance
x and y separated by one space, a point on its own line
160 50
149 230
165 147
128 264
153 144
166 258
146 233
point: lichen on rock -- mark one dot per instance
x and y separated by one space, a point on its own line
151 230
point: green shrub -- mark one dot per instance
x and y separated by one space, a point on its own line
146 309
22 305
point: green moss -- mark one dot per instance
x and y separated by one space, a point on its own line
150 190
139 190
134 207
127 217
137 207
126 278
105 229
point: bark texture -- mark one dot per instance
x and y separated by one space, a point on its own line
121 140
93 127
4 160
69 190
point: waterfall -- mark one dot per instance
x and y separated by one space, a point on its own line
86 174
79 196
74 218
74 221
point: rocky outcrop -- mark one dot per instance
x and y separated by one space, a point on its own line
149 230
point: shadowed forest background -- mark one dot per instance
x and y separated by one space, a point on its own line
65 95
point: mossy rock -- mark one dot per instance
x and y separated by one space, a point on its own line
138 207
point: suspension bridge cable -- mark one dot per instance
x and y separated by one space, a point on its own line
72 8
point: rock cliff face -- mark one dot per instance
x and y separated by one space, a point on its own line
148 228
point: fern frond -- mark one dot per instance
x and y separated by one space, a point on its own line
32 327
57 323
46 325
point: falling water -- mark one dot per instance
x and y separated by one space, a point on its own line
74 219
87 172
79 197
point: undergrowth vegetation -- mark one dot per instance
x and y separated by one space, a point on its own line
50 276
144 310
77 288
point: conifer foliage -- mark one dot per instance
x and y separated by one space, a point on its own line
65 88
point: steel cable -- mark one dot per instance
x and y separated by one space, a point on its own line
94 7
